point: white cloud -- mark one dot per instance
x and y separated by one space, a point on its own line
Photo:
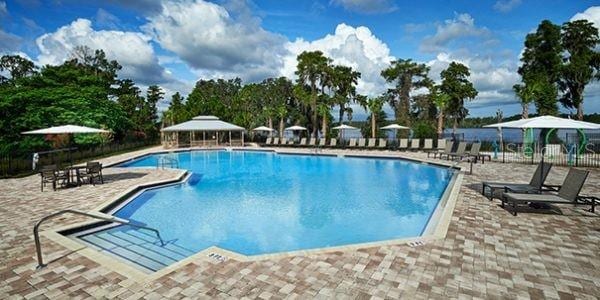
367 6
355 47
506 5
591 14
131 49
462 26
3 10
215 43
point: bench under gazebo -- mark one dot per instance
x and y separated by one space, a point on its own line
202 131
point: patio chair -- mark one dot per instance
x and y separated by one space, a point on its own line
473 152
50 174
460 151
284 141
382 143
352 143
322 142
403 144
92 171
567 194
268 141
333 143
362 142
312 142
275 141
372 143
414 144
534 186
427 145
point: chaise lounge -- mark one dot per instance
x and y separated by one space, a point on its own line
535 185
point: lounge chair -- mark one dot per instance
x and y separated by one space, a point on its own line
268 141
447 149
93 171
275 141
322 142
361 142
372 143
352 143
473 152
382 143
460 151
333 143
403 144
312 142
414 144
302 142
567 194
284 141
535 185
427 145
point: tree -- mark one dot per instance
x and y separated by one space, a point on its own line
17 66
407 75
176 112
541 65
582 64
441 101
527 93
148 113
344 87
456 85
310 71
375 106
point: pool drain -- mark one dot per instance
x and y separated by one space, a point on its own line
416 243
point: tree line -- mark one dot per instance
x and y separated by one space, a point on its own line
557 63
84 90
322 87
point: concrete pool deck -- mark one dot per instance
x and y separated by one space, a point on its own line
486 253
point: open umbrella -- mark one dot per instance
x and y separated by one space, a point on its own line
65 129
263 128
342 128
395 128
295 128
547 122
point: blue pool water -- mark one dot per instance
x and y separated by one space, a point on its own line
261 202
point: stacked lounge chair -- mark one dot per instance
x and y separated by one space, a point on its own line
382 143
414 144
372 142
535 185
361 143
567 194
403 144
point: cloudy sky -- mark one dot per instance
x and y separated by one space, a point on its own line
175 43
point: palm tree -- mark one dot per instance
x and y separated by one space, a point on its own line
527 94
375 105
310 72
344 86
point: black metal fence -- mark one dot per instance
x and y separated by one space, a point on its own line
11 165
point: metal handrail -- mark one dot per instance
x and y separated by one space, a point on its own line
164 160
36 235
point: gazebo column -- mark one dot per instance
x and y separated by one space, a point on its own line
217 138
203 138
242 139
230 144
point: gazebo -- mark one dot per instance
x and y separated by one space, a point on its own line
202 131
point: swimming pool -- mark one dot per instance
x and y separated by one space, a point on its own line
256 203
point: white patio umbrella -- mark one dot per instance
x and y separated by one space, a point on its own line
546 122
263 128
64 129
295 128
395 128
342 128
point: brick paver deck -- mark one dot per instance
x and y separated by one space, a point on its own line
487 253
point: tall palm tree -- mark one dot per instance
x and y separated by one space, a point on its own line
310 72
375 105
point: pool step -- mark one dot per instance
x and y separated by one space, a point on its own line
137 246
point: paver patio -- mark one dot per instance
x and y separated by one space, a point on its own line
487 253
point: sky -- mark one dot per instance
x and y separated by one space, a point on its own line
175 43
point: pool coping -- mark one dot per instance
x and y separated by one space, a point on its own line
62 236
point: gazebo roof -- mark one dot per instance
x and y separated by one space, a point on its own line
203 123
